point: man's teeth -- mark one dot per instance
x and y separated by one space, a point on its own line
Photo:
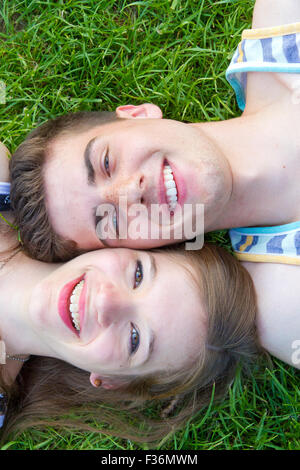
74 304
170 186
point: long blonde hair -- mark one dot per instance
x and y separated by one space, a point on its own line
52 392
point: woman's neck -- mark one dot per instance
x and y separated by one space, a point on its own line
18 277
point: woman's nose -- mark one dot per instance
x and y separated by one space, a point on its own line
110 304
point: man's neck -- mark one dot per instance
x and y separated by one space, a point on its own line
261 161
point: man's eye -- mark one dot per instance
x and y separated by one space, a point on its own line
138 275
134 339
115 222
106 164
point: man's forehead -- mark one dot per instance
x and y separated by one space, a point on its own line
69 142
63 176
78 139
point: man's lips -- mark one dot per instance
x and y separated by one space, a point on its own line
162 190
64 303
179 182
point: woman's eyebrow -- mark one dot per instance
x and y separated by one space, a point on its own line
151 341
153 266
150 347
88 163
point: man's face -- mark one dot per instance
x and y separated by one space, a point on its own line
94 180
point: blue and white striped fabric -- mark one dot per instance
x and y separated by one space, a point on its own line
2 409
279 244
4 188
264 50
4 196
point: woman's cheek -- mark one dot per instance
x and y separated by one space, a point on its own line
107 351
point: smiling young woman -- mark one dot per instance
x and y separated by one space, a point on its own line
147 329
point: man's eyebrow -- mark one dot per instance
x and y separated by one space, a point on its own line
88 163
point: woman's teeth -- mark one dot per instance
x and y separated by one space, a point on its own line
74 304
170 186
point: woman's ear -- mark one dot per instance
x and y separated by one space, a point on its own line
109 383
95 380
141 111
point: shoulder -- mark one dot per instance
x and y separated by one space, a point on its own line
272 56
278 297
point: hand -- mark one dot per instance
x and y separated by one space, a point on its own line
4 161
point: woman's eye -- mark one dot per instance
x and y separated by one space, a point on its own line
106 164
134 339
138 275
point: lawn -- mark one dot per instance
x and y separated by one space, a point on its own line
61 56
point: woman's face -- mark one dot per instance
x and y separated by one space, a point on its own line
135 312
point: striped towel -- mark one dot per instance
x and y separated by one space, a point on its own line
279 244
274 49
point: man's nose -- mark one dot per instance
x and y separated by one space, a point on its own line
132 189
111 305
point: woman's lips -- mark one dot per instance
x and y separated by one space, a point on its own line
81 304
64 304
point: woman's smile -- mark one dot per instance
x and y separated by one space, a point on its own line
118 309
77 305
68 308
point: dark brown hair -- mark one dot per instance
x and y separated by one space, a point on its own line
27 185
52 392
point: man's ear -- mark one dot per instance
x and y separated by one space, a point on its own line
109 383
142 111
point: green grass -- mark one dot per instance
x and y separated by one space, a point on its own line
60 56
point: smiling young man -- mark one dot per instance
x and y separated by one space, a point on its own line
71 175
